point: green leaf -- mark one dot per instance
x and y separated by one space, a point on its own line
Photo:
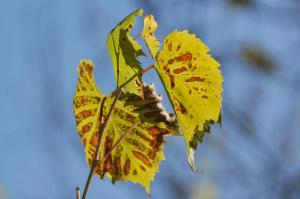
194 84
124 51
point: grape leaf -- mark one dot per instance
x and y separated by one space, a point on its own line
194 84
152 42
124 50
138 155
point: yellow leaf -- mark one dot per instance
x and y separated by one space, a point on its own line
138 155
194 84
87 103
152 42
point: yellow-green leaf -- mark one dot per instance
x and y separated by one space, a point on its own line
152 42
138 155
124 50
87 104
194 84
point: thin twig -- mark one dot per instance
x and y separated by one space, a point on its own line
148 68
134 76
103 126
88 182
77 193
96 157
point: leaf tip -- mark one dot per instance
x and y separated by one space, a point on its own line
139 12
191 159
147 188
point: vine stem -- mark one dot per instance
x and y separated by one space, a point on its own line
77 193
103 123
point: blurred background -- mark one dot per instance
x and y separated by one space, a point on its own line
256 152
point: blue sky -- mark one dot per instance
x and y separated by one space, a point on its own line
42 43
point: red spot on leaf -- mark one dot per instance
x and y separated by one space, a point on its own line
181 108
170 61
141 157
86 113
84 141
180 70
165 67
86 128
118 166
154 131
185 57
143 168
196 128
156 144
170 46
195 79
134 172
108 166
127 167
172 79
97 169
94 141
82 100
152 154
